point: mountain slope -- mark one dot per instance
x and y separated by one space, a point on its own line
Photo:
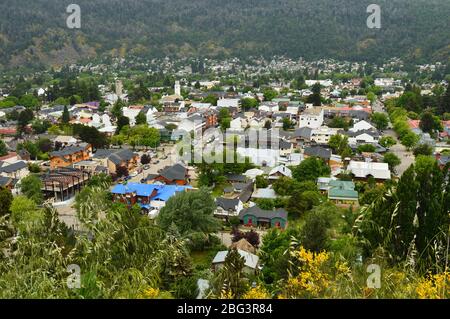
34 32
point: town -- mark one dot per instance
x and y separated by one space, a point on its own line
340 164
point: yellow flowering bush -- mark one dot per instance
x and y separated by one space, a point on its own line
256 293
434 287
311 280
150 293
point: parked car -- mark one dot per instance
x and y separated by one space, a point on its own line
134 174
146 167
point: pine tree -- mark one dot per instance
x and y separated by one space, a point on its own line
65 115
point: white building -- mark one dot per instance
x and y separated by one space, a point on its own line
311 117
364 170
361 126
228 103
323 134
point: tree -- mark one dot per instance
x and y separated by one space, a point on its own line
268 125
380 120
310 169
392 160
315 98
3 149
141 119
45 145
387 141
66 115
366 148
445 101
314 234
339 143
270 94
31 187
6 199
117 108
229 282
300 201
145 159
248 103
29 101
25 117
121 122
287 124
410 139
261 181
211 98
423 149
190 212
428 122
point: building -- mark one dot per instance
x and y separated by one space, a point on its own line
148 196
311 117
174 175
70 155
257 217
251 265
364 170
112 159
279 171
323 134
228 207
17 170
342 192
62 184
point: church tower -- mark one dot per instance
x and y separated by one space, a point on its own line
177 88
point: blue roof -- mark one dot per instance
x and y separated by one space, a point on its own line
164 192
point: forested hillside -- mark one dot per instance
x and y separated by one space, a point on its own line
34 33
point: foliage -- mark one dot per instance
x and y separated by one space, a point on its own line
6 199
392 160
189 212
380 120
31 187
310 169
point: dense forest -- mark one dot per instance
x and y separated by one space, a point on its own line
34 33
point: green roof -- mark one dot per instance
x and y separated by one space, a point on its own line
345 185
336 193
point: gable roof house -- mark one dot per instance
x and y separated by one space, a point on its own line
70 155
363 170
280 171
228 207
17 170
257 217
251 261
112 159
342 192
171 175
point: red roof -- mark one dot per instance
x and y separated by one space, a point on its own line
10 155
414 123
8 131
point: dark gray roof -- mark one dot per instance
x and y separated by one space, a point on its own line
369 132
265 214
175 172
227 203
304 132
121 156
70 150
318 151
236 178
103 153
13 167
241 186
6 181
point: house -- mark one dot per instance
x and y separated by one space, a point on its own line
228 207
173 175
363 137
9 183
255 216
222 102
244 245
312 117
194 123
318 151
17 170
70 155
112 159
323 134
364 170
251 261
342 192
362 126
268 193
280 171
148 196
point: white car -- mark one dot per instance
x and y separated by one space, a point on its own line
134 174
